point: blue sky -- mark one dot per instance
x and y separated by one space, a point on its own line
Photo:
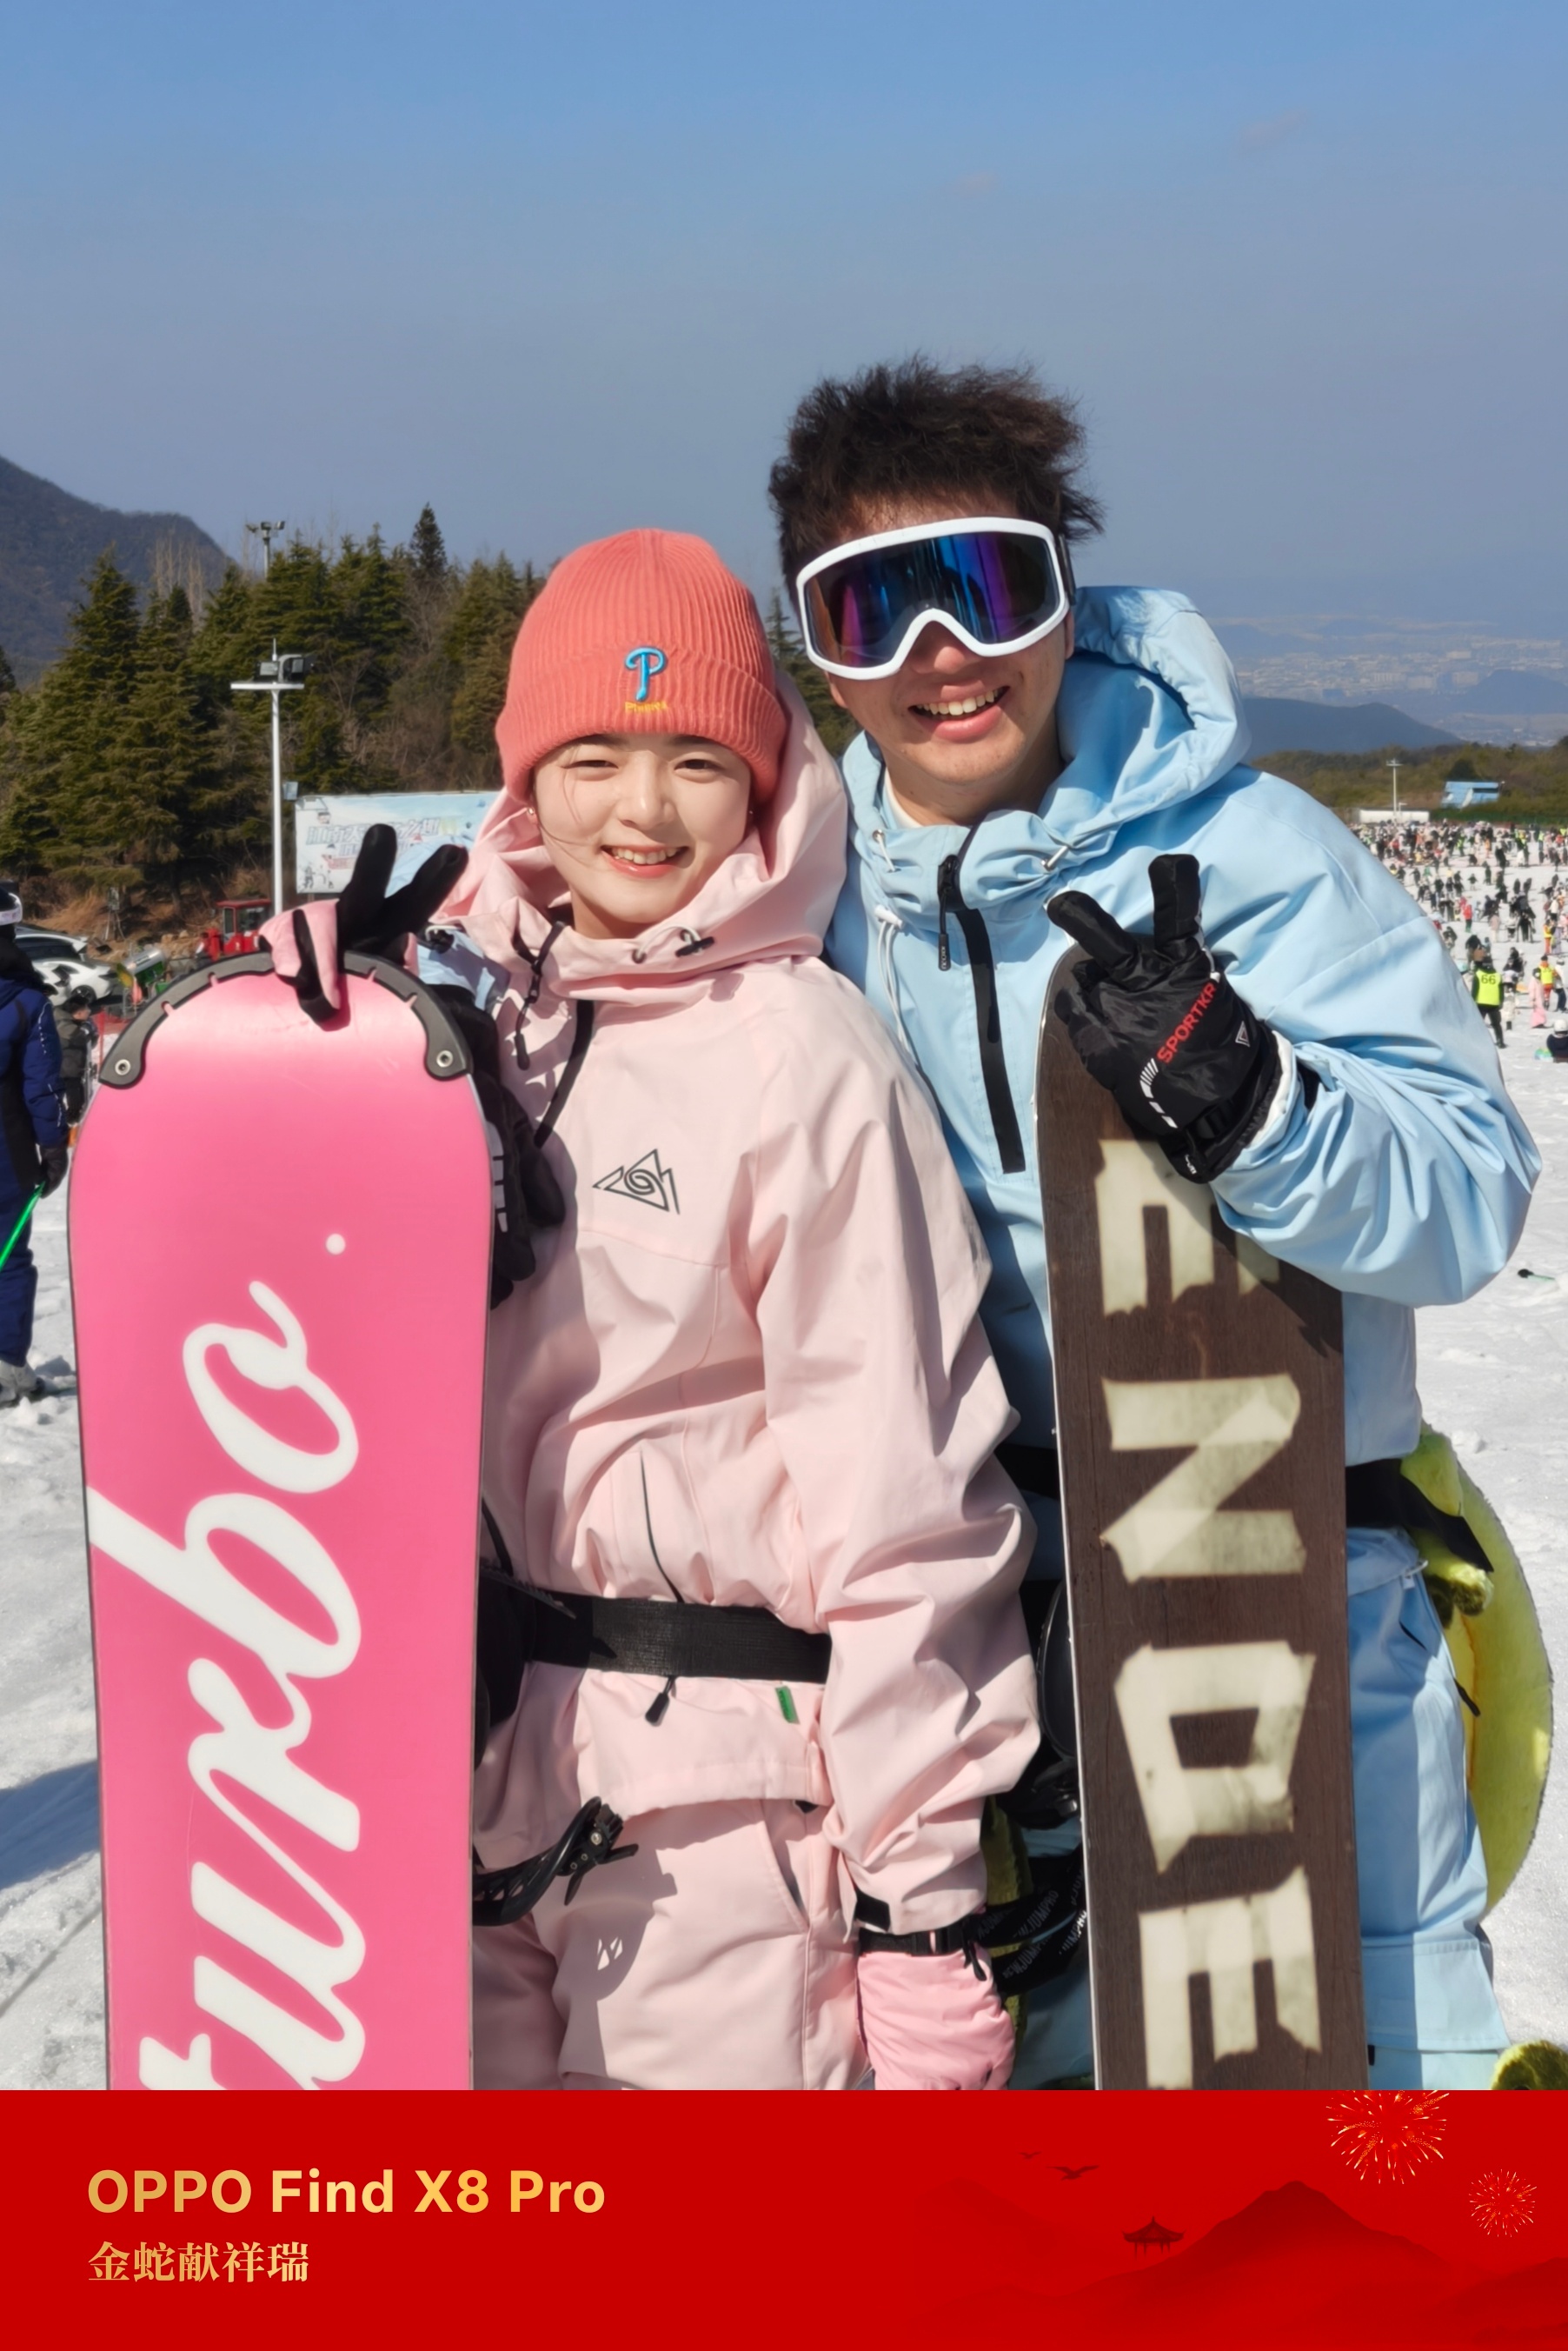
560 269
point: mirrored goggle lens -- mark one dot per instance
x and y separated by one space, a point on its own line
997 586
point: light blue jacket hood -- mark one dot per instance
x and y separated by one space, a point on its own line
1403 1181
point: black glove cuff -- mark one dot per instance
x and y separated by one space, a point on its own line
1217 1139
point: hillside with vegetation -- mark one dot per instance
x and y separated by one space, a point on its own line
131 768
1534 780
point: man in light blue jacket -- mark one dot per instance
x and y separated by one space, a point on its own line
1023 740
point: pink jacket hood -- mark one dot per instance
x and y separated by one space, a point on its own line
770 902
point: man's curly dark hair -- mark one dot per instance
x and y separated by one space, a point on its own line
983 437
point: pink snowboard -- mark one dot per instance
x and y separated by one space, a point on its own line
280 1239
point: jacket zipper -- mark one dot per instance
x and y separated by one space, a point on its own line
987 1005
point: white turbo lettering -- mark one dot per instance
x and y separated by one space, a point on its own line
266 1364
249 1755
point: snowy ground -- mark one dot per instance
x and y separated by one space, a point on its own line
51 1952
1494 1372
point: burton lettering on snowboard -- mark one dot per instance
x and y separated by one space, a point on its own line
280 1244
1200 1427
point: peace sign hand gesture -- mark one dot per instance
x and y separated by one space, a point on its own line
1160 1026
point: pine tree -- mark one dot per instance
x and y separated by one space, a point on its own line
121 827
479 642
65 745
834 725
190 811
427 548
8 683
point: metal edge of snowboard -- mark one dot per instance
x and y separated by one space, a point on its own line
1072 956
446 1055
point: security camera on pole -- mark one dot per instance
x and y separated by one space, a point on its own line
283 673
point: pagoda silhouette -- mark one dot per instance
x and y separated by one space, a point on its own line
1152 2238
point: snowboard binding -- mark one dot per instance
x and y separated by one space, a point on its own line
1033 1940
502 1896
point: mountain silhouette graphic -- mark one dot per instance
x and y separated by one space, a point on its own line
1530 2306
1291 2268
982 2234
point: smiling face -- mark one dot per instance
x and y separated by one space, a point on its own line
636 823
962 733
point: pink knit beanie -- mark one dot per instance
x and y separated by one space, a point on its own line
643 634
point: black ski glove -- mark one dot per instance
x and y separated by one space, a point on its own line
56 1159
370 923
1161 1027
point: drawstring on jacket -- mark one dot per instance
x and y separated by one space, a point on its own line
535 964
887 921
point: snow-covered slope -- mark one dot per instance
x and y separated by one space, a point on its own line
1494 1375
51 1953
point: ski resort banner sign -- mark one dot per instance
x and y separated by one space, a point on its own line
328 830
1200 1426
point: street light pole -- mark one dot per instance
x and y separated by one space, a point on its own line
266 532
1395 765
283 673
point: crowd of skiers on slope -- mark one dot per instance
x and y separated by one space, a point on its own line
770 1344
1484 878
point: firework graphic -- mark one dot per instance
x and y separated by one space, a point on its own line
1388 2134
1502 2203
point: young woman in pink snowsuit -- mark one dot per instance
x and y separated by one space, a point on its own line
747 1375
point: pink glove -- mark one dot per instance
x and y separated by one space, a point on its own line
931 2023
321 919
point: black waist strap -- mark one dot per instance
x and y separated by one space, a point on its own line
1376 1494
666 1638
1379 1494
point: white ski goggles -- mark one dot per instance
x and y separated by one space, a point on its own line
998 584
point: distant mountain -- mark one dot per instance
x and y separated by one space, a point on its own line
1511 693
50 540
1280 725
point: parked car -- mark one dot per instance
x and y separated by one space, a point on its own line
62 964
35 940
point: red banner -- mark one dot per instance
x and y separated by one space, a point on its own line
1133 2219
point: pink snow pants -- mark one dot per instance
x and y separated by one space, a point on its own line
717 1958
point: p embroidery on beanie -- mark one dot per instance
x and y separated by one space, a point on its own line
693 630
648 661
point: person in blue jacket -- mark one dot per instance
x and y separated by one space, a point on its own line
33 1154
1039 765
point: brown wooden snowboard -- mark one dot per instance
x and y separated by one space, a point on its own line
1201 1424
